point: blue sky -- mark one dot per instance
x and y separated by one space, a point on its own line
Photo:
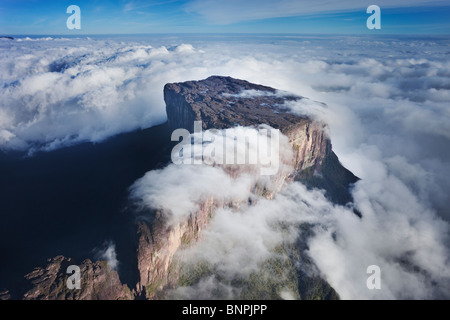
33 17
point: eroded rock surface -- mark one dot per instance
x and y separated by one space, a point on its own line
98 282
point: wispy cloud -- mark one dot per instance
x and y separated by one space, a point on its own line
108 253
135 5
231 11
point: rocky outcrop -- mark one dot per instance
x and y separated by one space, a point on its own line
97 282
4 294
224 102
221 103
158 242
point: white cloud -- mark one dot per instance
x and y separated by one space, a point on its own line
108 253
388 118
179 189
406 240
53 96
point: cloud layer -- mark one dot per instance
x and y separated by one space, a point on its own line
406 240
387 109
57 92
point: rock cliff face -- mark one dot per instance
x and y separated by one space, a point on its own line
158 243
221 103
224 102
97 282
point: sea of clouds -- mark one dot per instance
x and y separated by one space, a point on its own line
389 121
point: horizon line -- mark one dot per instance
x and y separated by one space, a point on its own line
227 33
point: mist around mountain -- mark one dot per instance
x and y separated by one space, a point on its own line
83 119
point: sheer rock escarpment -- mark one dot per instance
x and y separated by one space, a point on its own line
222 103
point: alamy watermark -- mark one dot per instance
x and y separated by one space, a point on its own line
74 281
234 146
374 280
374 21
74 21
